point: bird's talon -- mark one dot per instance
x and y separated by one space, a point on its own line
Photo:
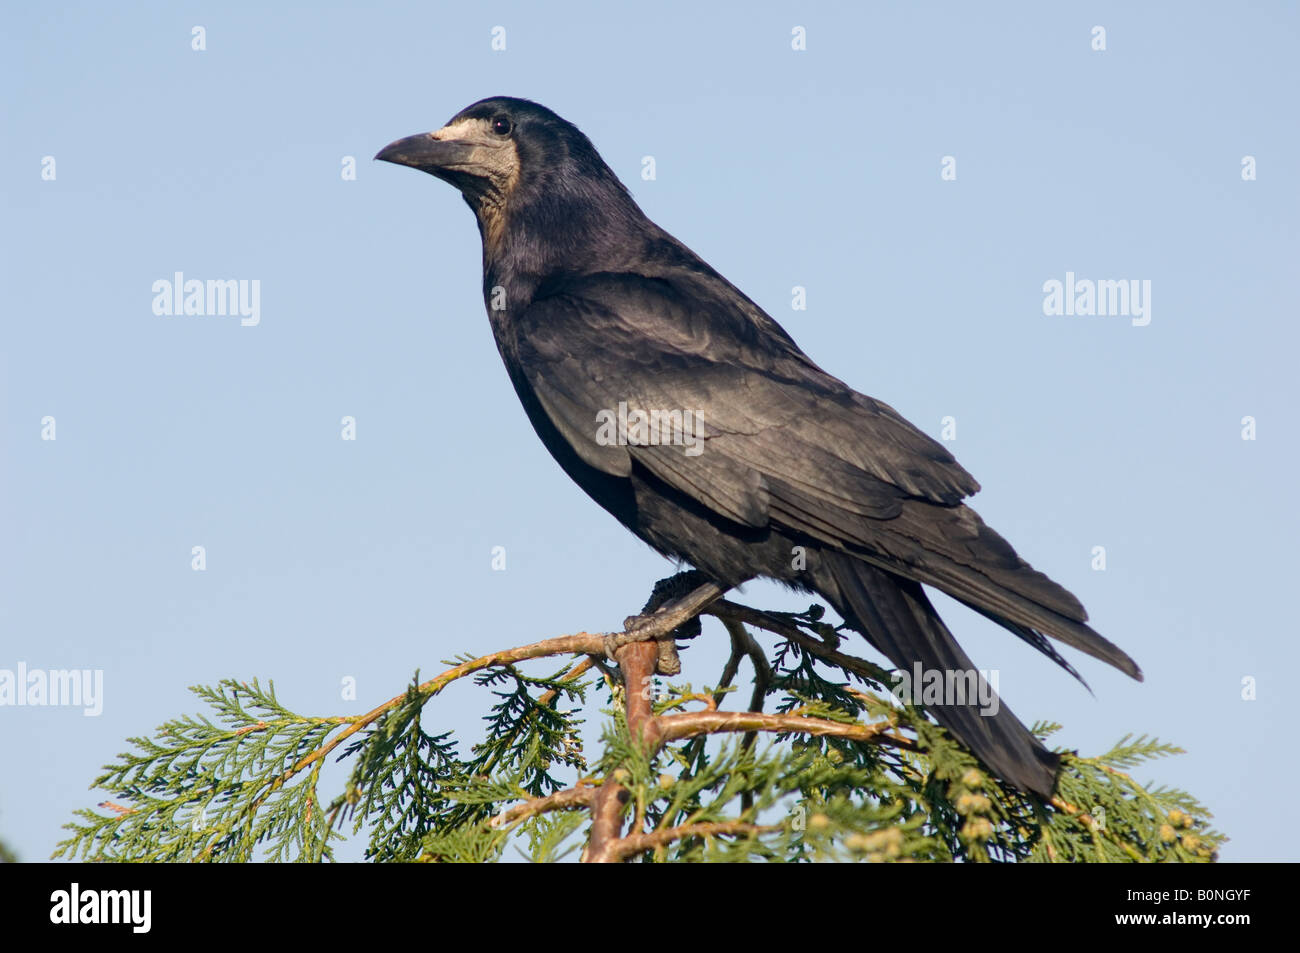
668 662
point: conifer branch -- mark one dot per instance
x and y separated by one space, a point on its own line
636 843
847 772
581 796
691 724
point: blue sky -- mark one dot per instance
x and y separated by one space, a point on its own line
330 559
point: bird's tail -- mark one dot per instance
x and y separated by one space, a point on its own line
897 618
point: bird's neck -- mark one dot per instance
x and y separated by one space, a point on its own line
557 230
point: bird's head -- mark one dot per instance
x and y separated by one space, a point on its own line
519 165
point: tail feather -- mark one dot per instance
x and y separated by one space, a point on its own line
956 552
897 618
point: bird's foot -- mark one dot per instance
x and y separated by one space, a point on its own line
671 613
647 629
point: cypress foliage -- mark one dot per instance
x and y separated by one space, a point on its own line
818 763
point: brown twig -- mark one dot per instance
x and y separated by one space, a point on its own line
636 843
572 674
690 724
559 801
741 638
724 609
729 672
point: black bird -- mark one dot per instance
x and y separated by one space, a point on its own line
761 463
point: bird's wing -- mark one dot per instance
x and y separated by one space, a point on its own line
780 442
764 410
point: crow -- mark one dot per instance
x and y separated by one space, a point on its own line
687 412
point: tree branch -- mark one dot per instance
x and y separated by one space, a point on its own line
637 661
724 609
690 724
559 801
583 642
636 843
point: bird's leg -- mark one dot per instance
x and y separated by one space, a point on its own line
671 613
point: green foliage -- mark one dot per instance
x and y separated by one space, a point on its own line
399 778
422 801
216 791
243 784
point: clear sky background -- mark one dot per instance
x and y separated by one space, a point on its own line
329 559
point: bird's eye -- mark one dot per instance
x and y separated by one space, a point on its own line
502 126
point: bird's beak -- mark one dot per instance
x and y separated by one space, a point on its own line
428 154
